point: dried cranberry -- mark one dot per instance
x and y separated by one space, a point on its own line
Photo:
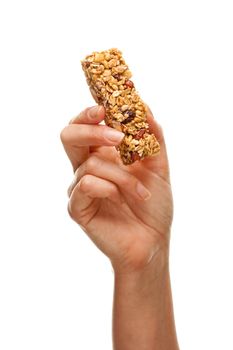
129 84
140 134
135 156
87 64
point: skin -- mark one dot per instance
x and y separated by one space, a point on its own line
127 212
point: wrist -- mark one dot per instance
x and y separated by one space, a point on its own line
143 309
156 268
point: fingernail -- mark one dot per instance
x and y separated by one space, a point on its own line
113 135
142 191
94 111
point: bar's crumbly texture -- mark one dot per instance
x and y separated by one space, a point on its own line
108 77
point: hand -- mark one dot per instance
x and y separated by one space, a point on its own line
125 210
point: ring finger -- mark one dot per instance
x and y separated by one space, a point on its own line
126 182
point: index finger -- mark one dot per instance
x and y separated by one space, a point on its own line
90 115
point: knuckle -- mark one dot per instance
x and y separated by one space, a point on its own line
64 135
68 191
94 133
114 190
92 163
71 208
85 183
127 180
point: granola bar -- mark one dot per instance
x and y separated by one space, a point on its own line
109 81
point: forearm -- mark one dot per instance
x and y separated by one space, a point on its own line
143 312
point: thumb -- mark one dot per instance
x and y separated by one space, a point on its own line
158 163
155 127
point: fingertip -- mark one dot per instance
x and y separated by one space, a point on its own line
90 115
101 112
154 126
95 112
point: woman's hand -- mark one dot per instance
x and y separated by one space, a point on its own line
125 210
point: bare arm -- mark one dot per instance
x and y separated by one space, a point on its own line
143 313
127 212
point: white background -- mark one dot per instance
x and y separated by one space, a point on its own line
55 286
